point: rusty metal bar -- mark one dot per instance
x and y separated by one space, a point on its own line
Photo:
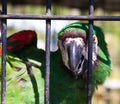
48 35
90 49
57 17
3 36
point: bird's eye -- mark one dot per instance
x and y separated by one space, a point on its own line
94 39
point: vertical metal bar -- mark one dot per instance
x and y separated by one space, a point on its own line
3 34
48 35
90 48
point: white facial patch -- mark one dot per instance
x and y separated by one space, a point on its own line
63 47
63 53
82 53
79 41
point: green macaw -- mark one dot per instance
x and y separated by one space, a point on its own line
68 74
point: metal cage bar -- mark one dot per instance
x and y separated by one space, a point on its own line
48 35
3 36
58 17
90 48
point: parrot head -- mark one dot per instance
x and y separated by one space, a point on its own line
73 44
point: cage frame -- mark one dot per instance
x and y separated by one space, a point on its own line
48 17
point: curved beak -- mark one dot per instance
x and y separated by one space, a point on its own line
75 57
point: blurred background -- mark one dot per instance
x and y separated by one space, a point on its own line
109 93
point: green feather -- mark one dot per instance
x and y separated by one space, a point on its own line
76 26
104 66
64 88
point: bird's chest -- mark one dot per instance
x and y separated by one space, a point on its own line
64 88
